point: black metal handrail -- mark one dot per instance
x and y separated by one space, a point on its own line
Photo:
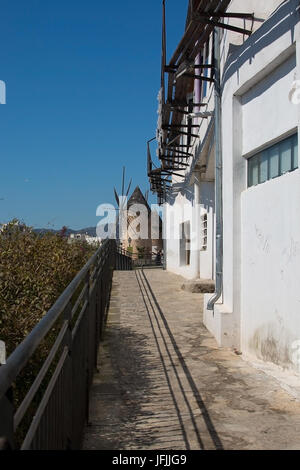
126 260
60 414
123 259
147 259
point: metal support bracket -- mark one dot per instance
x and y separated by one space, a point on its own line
214 22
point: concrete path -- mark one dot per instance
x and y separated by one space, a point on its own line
164 384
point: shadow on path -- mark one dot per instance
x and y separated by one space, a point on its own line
151 301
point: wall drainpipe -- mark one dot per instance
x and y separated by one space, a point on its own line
218 175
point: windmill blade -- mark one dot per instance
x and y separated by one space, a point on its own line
117 197
128 189
123 181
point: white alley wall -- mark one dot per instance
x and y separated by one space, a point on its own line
257 112
270 243
183 209
178 211
271 270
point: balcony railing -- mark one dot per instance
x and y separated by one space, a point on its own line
123 259
147 259
52 407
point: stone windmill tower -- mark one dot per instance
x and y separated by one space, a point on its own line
138 239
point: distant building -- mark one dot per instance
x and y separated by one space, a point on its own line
84 237
13 226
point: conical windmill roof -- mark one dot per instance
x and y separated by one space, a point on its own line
137 197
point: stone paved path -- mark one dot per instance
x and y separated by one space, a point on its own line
164 384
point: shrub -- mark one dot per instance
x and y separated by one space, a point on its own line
141 252
34 271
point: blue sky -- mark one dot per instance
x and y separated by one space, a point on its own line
82 79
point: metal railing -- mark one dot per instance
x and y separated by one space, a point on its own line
147 259
127 260
123 260
53 410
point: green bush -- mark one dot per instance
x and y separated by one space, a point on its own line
34 271
141 252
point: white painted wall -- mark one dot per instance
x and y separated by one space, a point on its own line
271 270
184 209
261 9
267 110
256 111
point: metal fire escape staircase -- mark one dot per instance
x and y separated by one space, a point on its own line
175 113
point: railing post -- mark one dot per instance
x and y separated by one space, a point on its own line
102 302
98 305
7 421
113 249
112 254
68 388
87 298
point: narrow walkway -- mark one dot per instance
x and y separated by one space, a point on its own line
164 384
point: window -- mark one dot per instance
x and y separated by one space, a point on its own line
185 249
273 161
204 231
295 152
273 155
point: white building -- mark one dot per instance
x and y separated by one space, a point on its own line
258 311
85 237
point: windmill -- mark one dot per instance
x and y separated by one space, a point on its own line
122 192
121 204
